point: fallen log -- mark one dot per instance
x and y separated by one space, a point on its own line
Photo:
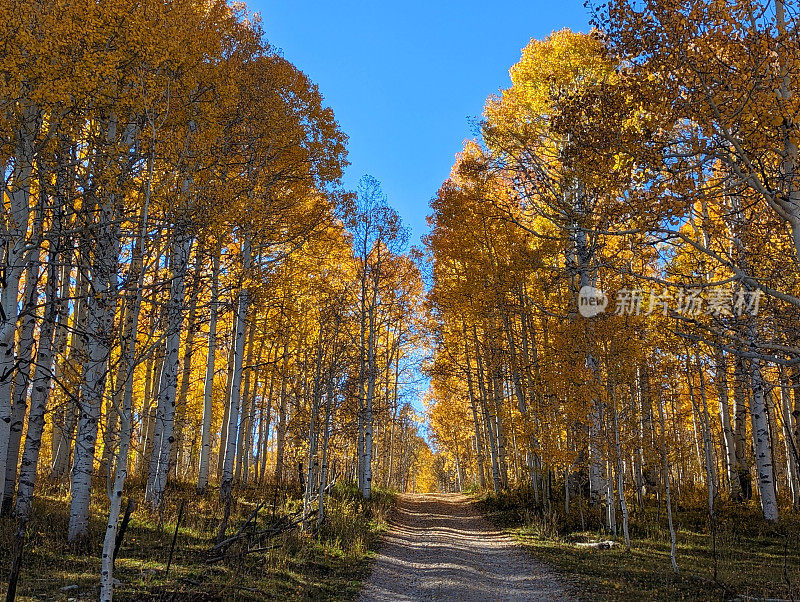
597 545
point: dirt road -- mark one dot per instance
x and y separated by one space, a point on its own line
440 548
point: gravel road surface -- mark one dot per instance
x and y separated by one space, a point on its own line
439 547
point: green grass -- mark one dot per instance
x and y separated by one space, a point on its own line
327 565
753 558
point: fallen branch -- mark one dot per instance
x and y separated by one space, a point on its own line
175 536
258 538
597 545
129 508
221 546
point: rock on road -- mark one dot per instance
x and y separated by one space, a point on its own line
439 547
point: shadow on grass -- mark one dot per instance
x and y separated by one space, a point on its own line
326 565
753 558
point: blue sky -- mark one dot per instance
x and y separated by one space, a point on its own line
407 79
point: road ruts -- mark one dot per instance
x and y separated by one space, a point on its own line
440 548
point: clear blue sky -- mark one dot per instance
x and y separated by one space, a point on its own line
405 79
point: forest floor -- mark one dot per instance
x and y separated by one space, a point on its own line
742 558
327 565
439 547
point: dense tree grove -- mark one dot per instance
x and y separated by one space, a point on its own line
188 293
615 267
192 301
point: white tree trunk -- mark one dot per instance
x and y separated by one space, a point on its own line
64 430
705 431
60 340
226 411
208 386
313 462
487 418
14 237
665 477
164 431
597 464
125 372
761 443
40 392
368 403
245 406
186 366
792 452
21 379
473 402
280 436
99 328
727 425
236 383
621 476
323 478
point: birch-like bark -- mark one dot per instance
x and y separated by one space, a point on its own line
245 405
99 338
473 402
793 421
597 476
761 442
496 398
113 410
64 428
665 478
186 363
60 338
721 379
705 430
152 378
232 426
280 436
368 403
649 441
236 383
395 400
620 475
40 390
520 388
490 429
208 386
490 423
125 372
323 478
14 239
226 410
313 461
582 261
792 451
23 374
789 199
149 415
164 431
360 438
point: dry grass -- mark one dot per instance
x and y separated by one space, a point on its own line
327 565
752 558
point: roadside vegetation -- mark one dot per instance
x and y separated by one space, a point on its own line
325 563
743 557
